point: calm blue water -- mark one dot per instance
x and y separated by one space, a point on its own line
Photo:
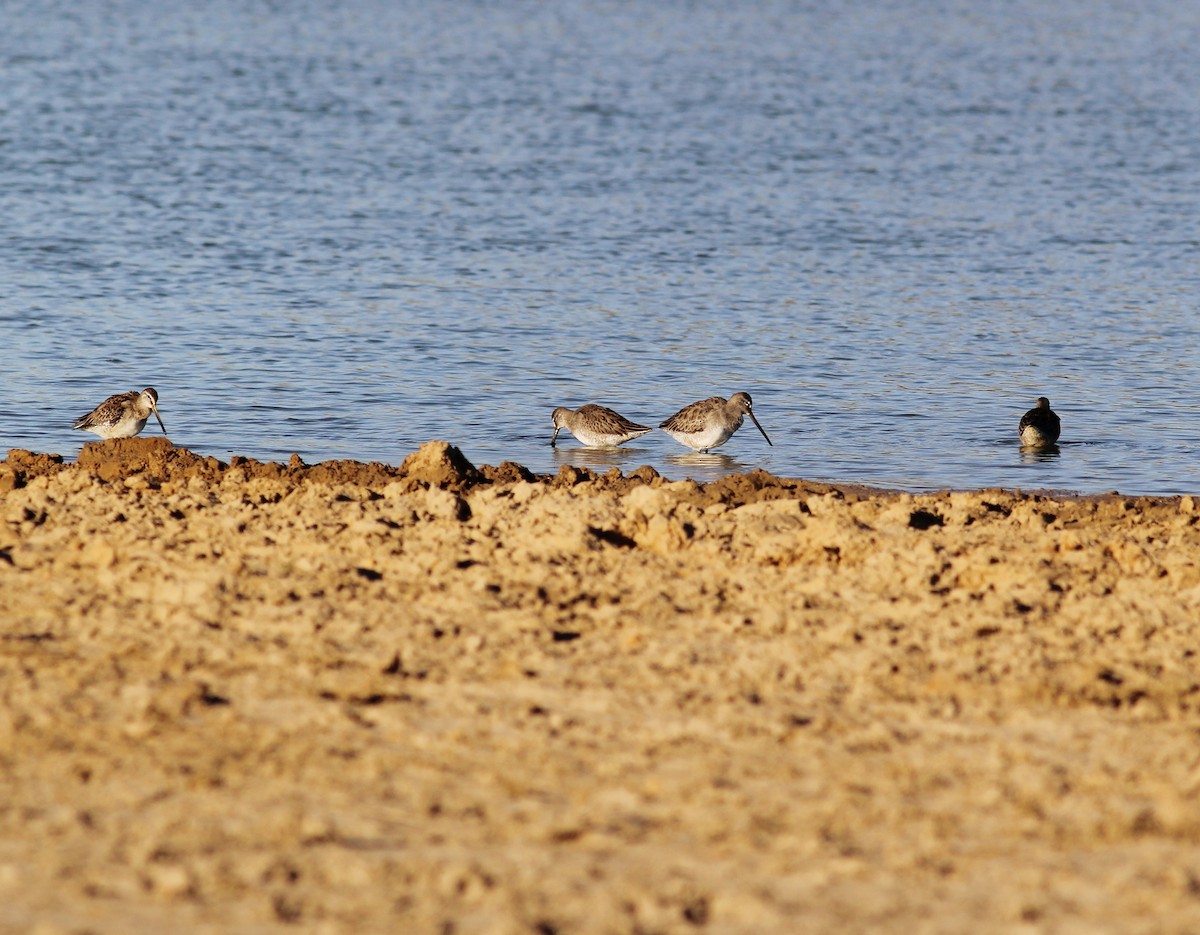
345 229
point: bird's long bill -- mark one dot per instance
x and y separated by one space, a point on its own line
554 437
750 413
160 425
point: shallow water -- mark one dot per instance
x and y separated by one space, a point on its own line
342 232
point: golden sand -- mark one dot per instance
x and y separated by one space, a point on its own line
254 697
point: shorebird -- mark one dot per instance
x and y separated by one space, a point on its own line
122 415
1040 426
595 426
711 422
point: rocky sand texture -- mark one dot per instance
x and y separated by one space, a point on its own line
255 697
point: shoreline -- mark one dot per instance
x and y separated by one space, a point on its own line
250 696
159 459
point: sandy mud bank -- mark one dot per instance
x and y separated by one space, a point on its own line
441 698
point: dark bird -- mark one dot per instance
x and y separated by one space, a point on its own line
1040 426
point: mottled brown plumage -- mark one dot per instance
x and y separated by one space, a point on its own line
595 426
122 415
711 422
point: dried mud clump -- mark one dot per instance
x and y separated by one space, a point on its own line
441 465
435 465
507 472
21 466
155 458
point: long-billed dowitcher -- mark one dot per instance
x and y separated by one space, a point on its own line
122 415
710 423
595 426
1040 426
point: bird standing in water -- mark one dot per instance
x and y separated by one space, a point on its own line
711 422
595 426
1040 426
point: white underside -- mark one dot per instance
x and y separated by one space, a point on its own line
125 428
594 440
1032 437
703 441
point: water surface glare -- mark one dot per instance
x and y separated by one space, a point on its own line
344 229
